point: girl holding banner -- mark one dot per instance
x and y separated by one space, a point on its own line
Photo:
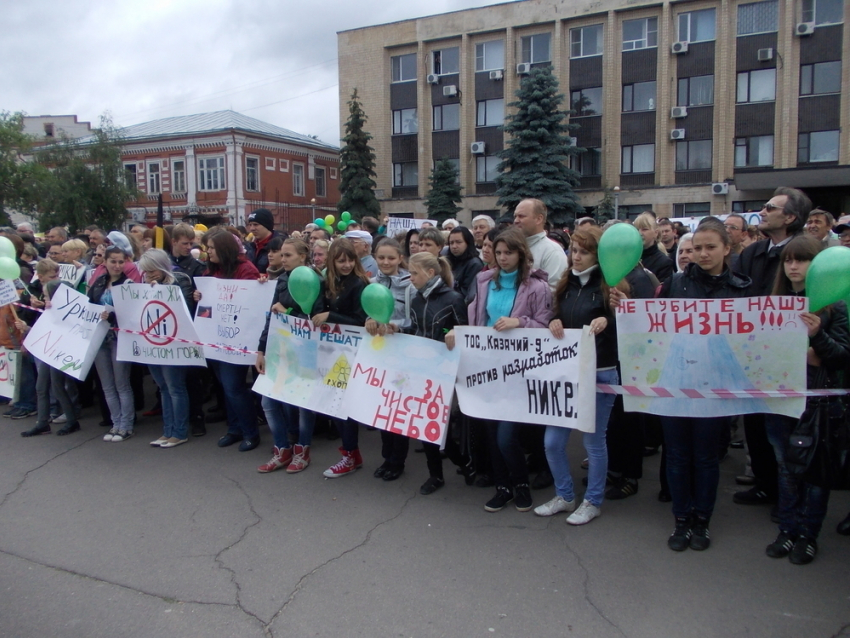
344 286
291 426
512 295
581 299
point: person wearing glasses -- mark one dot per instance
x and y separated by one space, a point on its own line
782 218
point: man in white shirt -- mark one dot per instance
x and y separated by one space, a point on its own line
530 218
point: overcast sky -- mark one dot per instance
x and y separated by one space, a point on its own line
275 60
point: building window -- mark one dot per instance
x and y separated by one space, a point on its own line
535 48
447 117
252 174
48 129
823 77
403 67
757 86
333 172
490 56
696 91
211 173
271 163
406 174
696 209
758 17
298 180
490 113
586 41
821 146
321 184
694 155
445 61
823 11
639 97
405 122
696 26
754 151
640 34
588 163
178 176
130 176
638 159
586 101
751 206
154 184
284 166
485 168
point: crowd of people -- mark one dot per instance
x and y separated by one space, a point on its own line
510 277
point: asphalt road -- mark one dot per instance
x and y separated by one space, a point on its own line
121 539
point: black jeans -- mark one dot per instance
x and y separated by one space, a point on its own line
394 448
762 458
506 454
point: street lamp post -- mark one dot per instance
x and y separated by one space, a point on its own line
313 204
616 202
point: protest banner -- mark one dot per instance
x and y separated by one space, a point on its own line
528 376
755 343
10 370
404 384
71 275
309 366
8 292
68 334
160 317
397 225
232 312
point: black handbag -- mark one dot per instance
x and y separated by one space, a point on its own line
818 450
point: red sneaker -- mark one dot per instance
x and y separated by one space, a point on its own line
300 459
280 458
344 466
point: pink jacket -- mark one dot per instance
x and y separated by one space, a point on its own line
130 269
532 306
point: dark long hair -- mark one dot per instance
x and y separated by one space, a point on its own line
339 248
801 248
514 240
588 238
407 237
470 251
227 251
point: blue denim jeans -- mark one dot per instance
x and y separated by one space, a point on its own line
171 381
556 439
693 464
349 433
289 424
802 506
115 380
238 399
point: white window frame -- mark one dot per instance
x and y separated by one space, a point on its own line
131 168
441 70
211 178
532 58
320 176
685 22
256 170
284 165
178 176
333 172
271 163
481 55
297 179
647 32
154 176
809 12
580 41
402 77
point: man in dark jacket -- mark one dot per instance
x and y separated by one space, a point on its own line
261 226
182 242
782 217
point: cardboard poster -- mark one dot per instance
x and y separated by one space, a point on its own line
71 275
10 370
8 292
397 225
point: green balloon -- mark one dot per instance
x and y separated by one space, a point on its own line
828 277
346 216
378 302
342 225
7 248
9 268
304 286
619 252
319 222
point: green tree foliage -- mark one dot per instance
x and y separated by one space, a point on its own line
534 162
357 166
444 194
87 183
604 210
19 180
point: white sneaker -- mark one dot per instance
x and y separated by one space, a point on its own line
109 435
552 507
59 420
159 441
585 513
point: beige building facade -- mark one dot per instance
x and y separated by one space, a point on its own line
687 108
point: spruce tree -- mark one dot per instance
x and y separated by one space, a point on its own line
357 166
444 193
534 161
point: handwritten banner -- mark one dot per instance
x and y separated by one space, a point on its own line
755 343
68 334
232 312
8 292
527 376
308 366
397 225
404 384
10 371
160 314
70 274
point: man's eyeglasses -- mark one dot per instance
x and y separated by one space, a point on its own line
772 207
731 227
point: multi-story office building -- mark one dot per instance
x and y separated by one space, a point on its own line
688 108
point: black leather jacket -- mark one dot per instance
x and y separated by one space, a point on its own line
464 274
581 305
656 261
436 310
694 283
188 265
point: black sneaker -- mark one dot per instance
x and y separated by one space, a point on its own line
679 540
522 499
431 485
804 551
753 496
622 488
781 547
700 537
498 502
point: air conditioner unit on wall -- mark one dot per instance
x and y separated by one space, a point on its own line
720 188
523 68
677 134
679 47
804 28
765 55
496 75
678 111
477 148
450 90
433 78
